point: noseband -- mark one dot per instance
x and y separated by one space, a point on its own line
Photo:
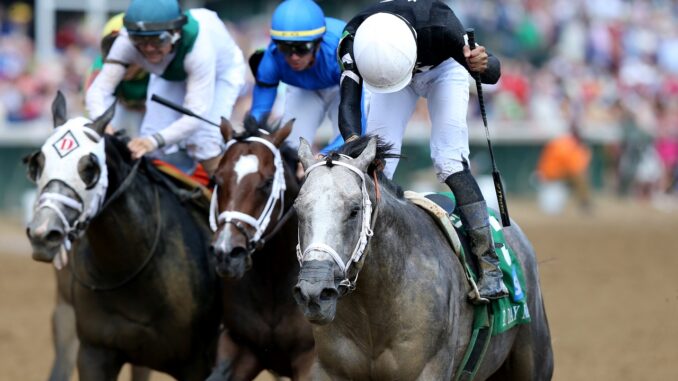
366 230
238 218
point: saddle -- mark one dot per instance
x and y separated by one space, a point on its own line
507 312
500 315
193 187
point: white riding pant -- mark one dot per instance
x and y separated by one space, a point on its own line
127 119
446 88
207 141
308 108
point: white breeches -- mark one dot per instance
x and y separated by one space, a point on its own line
446 88
127 119
206 142
308 108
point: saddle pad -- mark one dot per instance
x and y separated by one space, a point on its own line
199 179
506 312
439 215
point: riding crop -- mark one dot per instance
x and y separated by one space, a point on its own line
179 108
498 187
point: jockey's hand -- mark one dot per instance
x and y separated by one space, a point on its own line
109 130
476 59
141 146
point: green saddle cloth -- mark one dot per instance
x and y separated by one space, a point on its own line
512 310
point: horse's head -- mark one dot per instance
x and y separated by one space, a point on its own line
71 177
334 210
248 197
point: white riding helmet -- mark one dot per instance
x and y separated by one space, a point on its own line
385 52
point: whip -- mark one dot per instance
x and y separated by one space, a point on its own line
498 187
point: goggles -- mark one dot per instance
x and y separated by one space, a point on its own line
299 48
155 41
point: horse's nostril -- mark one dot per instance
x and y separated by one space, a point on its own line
328 294
238 252
54 236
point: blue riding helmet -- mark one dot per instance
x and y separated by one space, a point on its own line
153 17
297 20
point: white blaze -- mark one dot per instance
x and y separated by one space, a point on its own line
246 165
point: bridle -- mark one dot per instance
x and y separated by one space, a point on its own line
366 229
87 213
261 223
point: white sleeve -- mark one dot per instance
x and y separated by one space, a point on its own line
101 93
234 75
200 66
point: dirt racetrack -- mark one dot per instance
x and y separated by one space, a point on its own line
610 282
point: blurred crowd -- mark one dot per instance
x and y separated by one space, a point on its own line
615 63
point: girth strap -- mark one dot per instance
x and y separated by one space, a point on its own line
477 346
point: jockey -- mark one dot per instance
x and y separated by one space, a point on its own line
302 54
192 60
401 50
131 92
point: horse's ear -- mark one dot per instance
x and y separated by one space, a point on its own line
59 109
305 154
100 123
282 133
367 156
226 129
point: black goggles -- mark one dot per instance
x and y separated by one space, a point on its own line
155 41
298 48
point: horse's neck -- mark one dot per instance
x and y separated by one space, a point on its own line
386 253
276 263
397 243
124 232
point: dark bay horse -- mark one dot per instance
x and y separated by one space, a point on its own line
406 317
255 240
64 337
147 293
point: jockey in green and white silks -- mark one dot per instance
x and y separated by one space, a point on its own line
192 60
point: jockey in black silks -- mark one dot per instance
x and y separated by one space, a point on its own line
401 50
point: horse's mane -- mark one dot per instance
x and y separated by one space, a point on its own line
117 153
253 128
384 151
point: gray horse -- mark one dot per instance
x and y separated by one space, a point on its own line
407 318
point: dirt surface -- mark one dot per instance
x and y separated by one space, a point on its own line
609 280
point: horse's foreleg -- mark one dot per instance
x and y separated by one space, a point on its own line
140 373
301 366
65 341
98 364
234 362
318 373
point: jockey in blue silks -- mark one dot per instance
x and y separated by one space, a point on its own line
303 55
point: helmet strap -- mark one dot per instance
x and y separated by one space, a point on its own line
176 36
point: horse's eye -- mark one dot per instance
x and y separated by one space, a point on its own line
266 185
36 162
354 212
89 170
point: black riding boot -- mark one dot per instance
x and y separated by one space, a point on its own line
473 213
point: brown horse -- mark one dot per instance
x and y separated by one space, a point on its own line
255 240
